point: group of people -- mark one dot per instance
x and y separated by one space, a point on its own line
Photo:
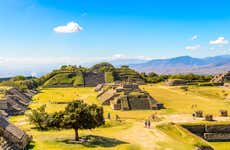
117 118
147 124
194 106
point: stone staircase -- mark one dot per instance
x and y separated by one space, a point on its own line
4 145
20 94
107 96
93 79
16 102
14 108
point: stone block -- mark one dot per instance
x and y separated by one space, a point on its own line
217 128
197 129
215 137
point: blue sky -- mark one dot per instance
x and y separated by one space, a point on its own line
108 29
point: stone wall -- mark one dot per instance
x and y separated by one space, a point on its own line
13 135
93 79
15 102
126 96
214 137
3 105
222 77
196 129
214 132
175 82
138 103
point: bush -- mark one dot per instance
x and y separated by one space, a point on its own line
23 85
210 84
102 67
39 117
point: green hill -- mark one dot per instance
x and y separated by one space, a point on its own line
72 76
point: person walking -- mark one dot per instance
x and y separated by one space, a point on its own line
145 123
149 123
193 116
117 118
109 115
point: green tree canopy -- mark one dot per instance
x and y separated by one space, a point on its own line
102 67
79 115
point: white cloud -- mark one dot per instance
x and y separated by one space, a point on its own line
119 56
195 47
2 60
194 37
33 74
69 28
219 41
9 61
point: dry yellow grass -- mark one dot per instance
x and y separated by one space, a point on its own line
175 99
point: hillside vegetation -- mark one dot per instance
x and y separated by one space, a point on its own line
72 76
77 76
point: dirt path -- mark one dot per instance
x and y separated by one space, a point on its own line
149 138
146 138
185 118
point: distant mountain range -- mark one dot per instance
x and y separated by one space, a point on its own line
185 64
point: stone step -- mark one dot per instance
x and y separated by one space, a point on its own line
217 137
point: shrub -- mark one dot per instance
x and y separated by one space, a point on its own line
39 117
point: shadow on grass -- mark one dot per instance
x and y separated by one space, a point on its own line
95 141
31 145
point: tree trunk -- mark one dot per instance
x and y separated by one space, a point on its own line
76 134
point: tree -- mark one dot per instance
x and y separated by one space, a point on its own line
78 115
55 120
18 78
102 67
39 117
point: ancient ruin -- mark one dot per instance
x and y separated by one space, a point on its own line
175 82
14 101
92 79
126 96
199 113
210 132
11 137
208 117
223 113
222 78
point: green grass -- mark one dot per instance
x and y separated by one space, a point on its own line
175 100
61 79
178 101
181 139
53 139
